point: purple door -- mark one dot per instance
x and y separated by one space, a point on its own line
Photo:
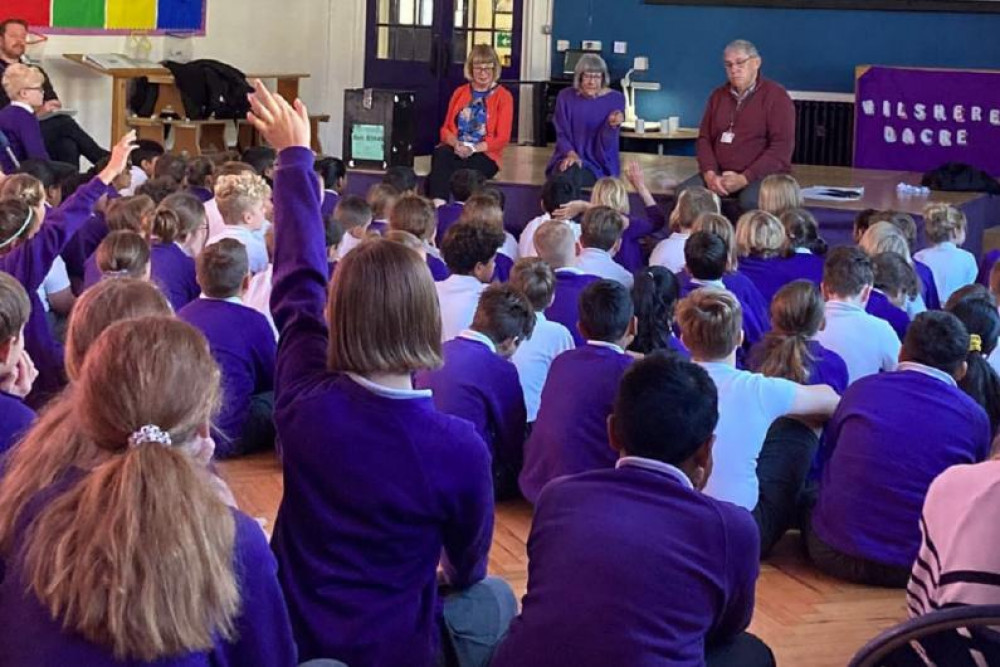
421 46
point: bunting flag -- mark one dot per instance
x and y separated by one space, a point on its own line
108 16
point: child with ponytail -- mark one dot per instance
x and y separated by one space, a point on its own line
980 317
655 293
177 234
123 254
85 506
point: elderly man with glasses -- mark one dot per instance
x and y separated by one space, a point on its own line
747 132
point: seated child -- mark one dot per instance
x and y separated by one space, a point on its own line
866 343
613 193
258 294
143 163
242 344
891 436
469 250
381 198
177 235
353 216
883 237
486 209
132 214
402 178
464 183
18 123
509 247
17 372
533 277
415 214
760 246
200 178
710 323
978 313
123 254
906 226
655 295
158 188
262 159
591 531
333 179
862 221
601 237
570 434
225 171
804 249
945 228
480 384
174 167
555 193
557 247
241 200
779 193
895 283
691 203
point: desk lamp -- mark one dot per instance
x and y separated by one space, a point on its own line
640 64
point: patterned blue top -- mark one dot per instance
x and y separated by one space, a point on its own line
471 120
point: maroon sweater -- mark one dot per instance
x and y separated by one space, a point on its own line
764 129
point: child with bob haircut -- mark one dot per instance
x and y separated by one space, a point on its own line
17 372
123 462
915 423
123 254
242 344
379 486
536 280
647 508
601 238
691 203
415 214
779 193
241 200
804 249
177 235
945 228
655 294
477 381
557 247
866 343
382 197
570 432
469 249
761 245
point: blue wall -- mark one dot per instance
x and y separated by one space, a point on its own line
802 49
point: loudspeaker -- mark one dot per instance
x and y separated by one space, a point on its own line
379 128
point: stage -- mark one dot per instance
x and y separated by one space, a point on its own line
523 174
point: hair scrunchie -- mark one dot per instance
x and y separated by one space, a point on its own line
975 343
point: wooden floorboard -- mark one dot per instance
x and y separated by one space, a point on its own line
807 618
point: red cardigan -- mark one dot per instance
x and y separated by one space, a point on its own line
499 119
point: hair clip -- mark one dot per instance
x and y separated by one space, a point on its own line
975 343
150 433
20 231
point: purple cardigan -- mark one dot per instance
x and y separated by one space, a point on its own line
82 245
23 131
592 603
565 308
29 263
447 215
174 273
880 306
570 434
582 126
376 488
29 636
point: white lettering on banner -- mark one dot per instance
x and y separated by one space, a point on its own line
939 113
958 113
944 138
977 114
887 108
901 110
868 107
908 137
927 137
994 116
920 111
890 135
962 137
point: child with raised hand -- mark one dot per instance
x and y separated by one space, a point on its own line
130 462
28 250
177 234
17 372
477 381
945 228
379 485
655 294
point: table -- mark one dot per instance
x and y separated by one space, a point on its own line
286 85
662 139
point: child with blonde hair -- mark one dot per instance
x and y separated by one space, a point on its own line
945 228
761 245
691 203
242 199
779 193
415 214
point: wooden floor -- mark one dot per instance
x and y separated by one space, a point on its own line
807 618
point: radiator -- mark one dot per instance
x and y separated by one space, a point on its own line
824 128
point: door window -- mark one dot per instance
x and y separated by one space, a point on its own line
484 22
405 30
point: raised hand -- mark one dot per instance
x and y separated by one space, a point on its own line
616 118
118 162
281 124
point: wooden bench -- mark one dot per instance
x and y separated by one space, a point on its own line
247 136
191 137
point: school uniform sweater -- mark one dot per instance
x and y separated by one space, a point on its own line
892 434
477 384
581 124
502 266
447 215
82 245
880 306
204 195
15 419
630 254
263 636
565 308
20 125
928 289
590 600
29 263
756 318
570 434
827 367
330 200
174 272
378 483
803 265
439 270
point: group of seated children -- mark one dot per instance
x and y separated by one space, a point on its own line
684 413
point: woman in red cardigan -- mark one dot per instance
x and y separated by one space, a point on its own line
477 126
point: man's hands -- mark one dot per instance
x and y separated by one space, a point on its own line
726 184
282 125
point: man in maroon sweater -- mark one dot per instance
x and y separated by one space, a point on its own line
747 132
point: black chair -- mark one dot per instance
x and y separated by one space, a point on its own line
947 637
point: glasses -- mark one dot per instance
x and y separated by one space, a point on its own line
593 76
483 68
734 64
38 88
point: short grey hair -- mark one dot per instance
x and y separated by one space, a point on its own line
591 63
744 46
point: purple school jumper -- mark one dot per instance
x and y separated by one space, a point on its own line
91 274
892 434
263 638
24 133
15 419
802 266
329 205
447 215
174 273
756 317
827 366
582 126
929 287
29 263
591 601
565 308
630 254
880 306
570 434
243 345
378 484
439 270
82 245
203 194
767 275
482 387
502 265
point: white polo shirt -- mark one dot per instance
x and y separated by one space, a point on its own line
669 253
599 263
458 297
526 245
867 343
951 266
534 357
256 250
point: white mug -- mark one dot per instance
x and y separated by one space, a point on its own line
673 124
640 126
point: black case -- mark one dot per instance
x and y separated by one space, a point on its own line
391 110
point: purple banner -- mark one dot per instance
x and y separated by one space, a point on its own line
916 120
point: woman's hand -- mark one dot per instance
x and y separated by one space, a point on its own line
463 151
616 118
118 162
571 159
281 124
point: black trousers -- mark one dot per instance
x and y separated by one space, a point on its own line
579 178
445 162
744 650
66 141
782 467
852 568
